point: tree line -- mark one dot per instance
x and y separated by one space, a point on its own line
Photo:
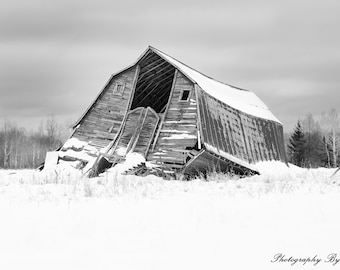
315 143
22 149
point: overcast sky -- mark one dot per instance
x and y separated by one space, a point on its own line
55 56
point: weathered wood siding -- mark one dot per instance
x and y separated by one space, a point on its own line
138 131
133 120
178 130
147 131
244 136
102 122
205 162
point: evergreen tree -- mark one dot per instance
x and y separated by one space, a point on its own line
297 146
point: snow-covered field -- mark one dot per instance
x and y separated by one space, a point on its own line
59 220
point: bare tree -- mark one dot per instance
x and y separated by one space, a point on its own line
308 125
315 153
331 123
52 132
66 129
20 149
7 144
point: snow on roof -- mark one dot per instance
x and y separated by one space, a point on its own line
230 157
240 99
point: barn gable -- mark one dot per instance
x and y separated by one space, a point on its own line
180 119
101 122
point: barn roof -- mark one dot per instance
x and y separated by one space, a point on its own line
237 98
240 99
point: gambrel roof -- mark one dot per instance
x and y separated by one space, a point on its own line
240 99
176 116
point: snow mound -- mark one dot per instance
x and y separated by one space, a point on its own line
78 145
278 168
272 167
131 160
75 154
81 155
74 143
165 224
121 151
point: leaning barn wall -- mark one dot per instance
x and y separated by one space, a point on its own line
102 122
179 128
244 136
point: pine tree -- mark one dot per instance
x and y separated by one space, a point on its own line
297 146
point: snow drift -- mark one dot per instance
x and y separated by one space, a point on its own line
126 222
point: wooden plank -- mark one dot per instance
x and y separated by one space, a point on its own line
209 139
179 122
98 117
134 137
167 107
152 134
144 95
157 77
158 63
245 141
114 76
113 143
223 124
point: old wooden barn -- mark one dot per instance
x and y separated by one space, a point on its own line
180 119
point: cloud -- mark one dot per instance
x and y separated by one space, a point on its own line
56 56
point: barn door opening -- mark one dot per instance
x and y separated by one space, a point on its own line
154 83
138 132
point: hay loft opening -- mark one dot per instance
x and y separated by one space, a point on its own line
154 83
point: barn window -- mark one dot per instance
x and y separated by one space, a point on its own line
119 89
185 95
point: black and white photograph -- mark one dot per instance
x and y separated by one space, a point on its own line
169 135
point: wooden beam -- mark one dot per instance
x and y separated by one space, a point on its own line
245 141
208 128
161 99
146 57
146 73
142 84
158 74
119 133
134 138
161 91
199 120
161 71
170 72
155 80
141 92
166 109
148 94
154 129
155 65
